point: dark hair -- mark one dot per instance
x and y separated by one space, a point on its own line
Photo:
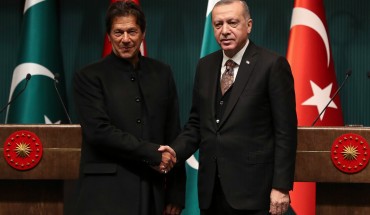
124 8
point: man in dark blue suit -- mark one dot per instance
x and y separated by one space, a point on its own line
243 121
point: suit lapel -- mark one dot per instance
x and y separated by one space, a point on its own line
245 70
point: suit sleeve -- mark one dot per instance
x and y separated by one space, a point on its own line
97 127
176 178
187 142
282 97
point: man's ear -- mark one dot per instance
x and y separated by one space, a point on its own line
249 25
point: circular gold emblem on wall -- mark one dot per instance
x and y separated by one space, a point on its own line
23 150
349 153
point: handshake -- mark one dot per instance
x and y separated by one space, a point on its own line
168 159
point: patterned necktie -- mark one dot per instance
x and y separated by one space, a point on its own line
227 78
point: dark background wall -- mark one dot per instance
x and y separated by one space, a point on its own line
174 35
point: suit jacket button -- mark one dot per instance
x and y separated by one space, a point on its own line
138 121
217 121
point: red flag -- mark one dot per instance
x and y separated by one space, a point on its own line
310 57
108 47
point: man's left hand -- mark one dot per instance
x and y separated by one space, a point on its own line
172 209
280 201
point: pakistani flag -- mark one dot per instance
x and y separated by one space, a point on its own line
40 56
209 45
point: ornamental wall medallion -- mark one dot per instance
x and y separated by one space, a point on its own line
349 153
23 150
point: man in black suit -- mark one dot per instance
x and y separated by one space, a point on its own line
246 133
127 105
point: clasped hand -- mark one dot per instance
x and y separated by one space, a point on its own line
168 159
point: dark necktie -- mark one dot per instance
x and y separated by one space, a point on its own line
227 78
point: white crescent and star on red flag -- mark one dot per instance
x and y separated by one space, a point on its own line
312 60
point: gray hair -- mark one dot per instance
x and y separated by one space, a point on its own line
226 2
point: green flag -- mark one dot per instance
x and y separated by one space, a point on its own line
40 56
209 45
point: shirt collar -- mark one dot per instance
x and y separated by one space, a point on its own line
237 58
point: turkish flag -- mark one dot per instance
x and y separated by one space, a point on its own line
108 47
310 57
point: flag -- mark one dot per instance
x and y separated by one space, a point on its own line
107 46
40 56
310 57
209 45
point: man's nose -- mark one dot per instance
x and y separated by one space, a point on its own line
125 37
225 29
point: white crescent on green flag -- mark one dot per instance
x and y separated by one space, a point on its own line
209 45
40 56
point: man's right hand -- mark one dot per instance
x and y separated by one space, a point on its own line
168 159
